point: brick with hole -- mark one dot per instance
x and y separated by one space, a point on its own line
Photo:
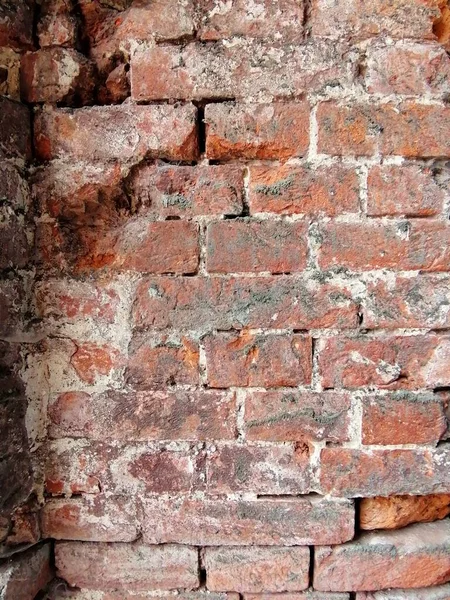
251 246
398 511
397 245
397 19
412 130
92 517
281 302
258 360
407 190
281 416
130 567
414 557
262 131
142 416
185 191
410 69
402 418
267 522
387 362
270 469
159 361
289 190
126 132
257 569
369 472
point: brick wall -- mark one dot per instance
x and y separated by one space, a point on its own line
238 296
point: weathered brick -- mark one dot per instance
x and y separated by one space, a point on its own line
92 361
415 557
15 136
399 511
180 415
57 25
243 70
12 307
440 592
402 418
14 188
410 130
353 473
234 303
265 131
16 24
309 595
56 75
258 360
81 466
388 362
24 575
296 416
77 594
10 73
274 469
95 518
184 191
280 522
408 190
420 301
257 570
292 189
398 19
158 361
270 19
132 567
415 69
15 245
249 246
126 132
399 245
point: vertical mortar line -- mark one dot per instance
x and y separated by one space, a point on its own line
202 243
356 412
363 174
202 363
240 413
246 192
313 132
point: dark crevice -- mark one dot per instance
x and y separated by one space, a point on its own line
307 12
201 568
311 566
201 129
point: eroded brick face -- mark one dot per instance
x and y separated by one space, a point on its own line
225 299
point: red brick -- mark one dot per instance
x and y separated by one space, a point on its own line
252 246
271 19
409 190
184 191
258 360
57 25
408 362
244 69
398 511
309 595
25 528
76 594
415 69
403 418
398 18
257 570
81 192
265 131
274 469
400 245
420 301
233 303
117 86
91 361
123 566
410 130
25 574
293 189
15 137
296 416
56 75
117 132
141 416
142 246
13 240
354 473
16 24
81 466
440 592
224 522
156 362
93 518
415 557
